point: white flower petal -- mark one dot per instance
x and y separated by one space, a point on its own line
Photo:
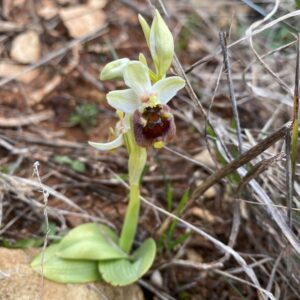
136 76
123 100
167 88
110 145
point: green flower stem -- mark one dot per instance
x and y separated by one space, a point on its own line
136 164
131 220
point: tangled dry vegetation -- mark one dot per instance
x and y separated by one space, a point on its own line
226 177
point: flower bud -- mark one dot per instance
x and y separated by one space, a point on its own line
161 45
114 69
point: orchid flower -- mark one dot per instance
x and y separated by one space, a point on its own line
153 124
145 120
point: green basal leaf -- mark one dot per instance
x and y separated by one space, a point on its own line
123 272
64 270
90 241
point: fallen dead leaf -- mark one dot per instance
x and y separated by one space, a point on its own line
10 69
26 47
205 214
97 3
193 256
205 158
9 5
9 26
81 20
210 192
47 9
38 95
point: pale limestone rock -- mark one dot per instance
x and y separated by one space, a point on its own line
19 282
26 48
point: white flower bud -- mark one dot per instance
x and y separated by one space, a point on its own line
161 45
114 69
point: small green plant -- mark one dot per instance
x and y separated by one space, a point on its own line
85 116
168 240
91 251
75 164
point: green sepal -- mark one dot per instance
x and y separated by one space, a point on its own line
145 27
63 270
124 272
92 242
143 59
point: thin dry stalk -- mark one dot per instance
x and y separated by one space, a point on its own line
227 68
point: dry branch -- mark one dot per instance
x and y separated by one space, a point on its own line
243 159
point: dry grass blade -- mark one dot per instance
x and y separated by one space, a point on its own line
255 32
295 124
289 177
26 120
227 68
259 168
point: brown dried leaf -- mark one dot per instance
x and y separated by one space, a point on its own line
81 20
97 3
47 9
9 69
9 26
194 256
38 95
205 214
205 158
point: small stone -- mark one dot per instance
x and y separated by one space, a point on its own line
157 279
26 48
82 20
19 282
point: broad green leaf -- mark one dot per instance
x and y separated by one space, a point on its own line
90 241
124 272
64 270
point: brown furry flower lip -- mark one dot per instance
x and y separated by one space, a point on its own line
154 124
